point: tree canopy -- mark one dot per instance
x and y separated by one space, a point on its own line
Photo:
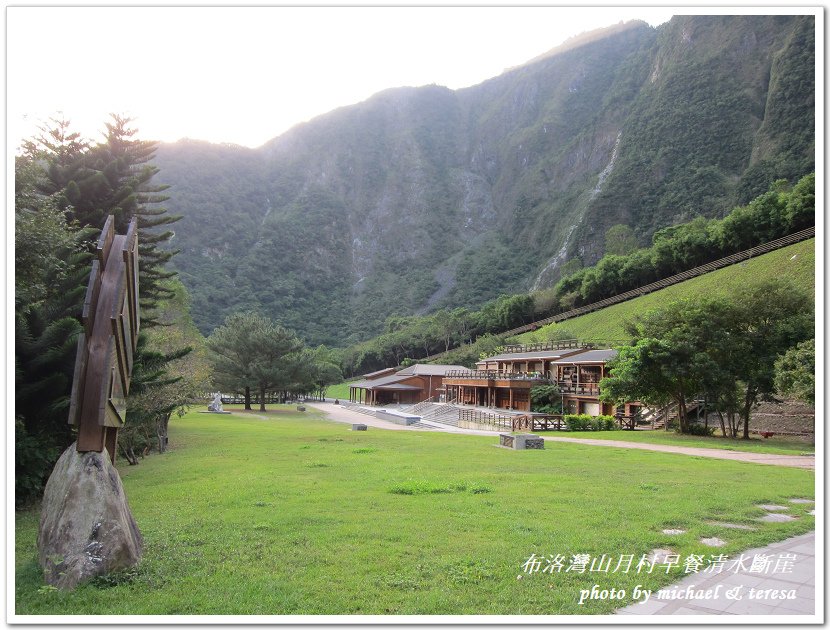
795 372
250 351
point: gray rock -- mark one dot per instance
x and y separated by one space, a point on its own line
777 518
86 527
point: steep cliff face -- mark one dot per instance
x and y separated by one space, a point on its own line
421 198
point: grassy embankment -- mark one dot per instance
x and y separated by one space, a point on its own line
288 513
796 262
339 391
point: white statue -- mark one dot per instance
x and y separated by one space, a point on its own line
216 405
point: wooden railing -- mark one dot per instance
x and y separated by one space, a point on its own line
580 389
497 420
238 398
562 344
546 422
528 422
492 375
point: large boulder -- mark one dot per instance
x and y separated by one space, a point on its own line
86 527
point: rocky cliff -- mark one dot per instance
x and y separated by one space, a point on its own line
422 198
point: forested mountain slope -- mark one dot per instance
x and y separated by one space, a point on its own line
422 198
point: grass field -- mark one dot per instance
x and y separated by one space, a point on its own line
339 391
287 513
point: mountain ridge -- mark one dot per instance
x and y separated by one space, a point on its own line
424 197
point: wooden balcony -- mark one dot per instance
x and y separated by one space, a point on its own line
483 377
578 389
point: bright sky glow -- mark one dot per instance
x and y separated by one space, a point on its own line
246 75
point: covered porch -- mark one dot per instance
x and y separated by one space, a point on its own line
491 389
385 394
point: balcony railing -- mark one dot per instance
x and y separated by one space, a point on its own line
494 375
580 389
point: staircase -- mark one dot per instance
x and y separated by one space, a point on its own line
655 419
438 413
435 414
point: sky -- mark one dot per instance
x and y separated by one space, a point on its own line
246 75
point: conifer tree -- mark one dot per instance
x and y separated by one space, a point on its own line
52 264
112 177
66 188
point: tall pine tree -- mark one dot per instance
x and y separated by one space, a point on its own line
113 177
59 172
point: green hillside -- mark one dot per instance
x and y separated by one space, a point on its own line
796 262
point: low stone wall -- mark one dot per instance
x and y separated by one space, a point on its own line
396 417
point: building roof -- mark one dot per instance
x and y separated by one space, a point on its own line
398 387
591 356
378 374
426 369
378 382
543 354
382 379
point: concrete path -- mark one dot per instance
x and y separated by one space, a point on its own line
788 587
339 413
796 461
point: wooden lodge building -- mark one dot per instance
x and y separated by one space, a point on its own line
502 381
408 386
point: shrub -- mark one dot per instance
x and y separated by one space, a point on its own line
577 422
584 422
699 429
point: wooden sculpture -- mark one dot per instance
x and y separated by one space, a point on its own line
104 361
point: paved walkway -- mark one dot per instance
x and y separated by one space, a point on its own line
339 413
791 590
796 461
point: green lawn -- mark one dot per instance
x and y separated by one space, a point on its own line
339 391
287 513
775 445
